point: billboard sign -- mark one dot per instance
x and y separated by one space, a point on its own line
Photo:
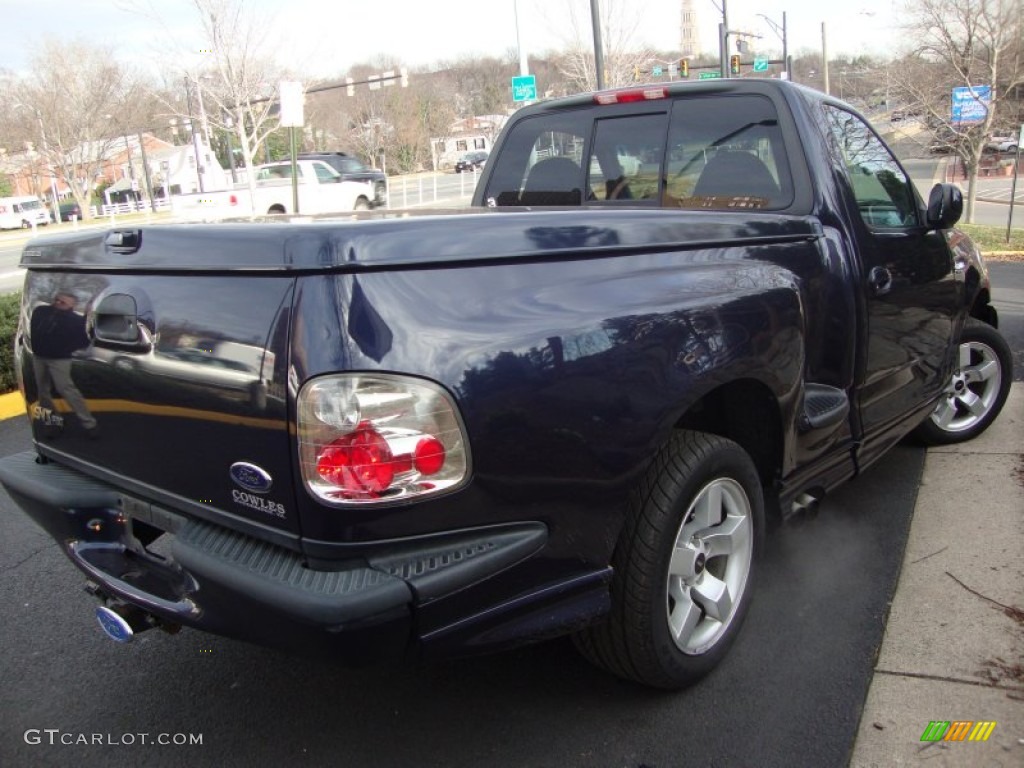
970 104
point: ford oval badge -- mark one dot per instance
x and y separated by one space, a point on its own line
251 477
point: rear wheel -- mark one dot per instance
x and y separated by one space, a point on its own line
977 390
362 204
684 565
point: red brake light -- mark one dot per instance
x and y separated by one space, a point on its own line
361 463
233 199
428 458
634 94
375 438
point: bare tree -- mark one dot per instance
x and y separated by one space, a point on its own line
623 56
963 43
239 78
75 97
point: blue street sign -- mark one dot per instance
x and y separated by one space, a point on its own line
970 104
524 88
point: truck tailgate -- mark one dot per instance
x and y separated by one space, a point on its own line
184 376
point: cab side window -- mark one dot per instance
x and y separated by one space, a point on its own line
883 193
324 173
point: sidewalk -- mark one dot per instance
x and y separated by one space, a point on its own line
954 642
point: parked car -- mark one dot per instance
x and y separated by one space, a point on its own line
471 161
352 169
70 209
1001 144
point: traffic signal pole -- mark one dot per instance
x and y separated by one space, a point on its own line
723 41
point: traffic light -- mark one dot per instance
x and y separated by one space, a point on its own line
684 68
734 64
636 74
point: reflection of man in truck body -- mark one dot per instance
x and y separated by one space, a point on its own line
56 332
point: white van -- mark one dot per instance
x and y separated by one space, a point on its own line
22 212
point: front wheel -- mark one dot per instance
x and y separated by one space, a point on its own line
362 204
684 565
977 390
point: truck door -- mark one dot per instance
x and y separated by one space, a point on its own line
910 291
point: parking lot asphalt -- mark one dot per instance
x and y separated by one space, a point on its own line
953 647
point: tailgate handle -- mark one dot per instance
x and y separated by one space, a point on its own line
116 322
123 240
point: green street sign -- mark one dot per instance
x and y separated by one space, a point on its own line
760 65
524 88
656 71
709 75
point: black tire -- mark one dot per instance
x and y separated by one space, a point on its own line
638 641
362 204
977 391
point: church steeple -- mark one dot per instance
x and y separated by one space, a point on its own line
689 37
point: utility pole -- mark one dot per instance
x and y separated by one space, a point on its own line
824 57
195 139
131 170
145 171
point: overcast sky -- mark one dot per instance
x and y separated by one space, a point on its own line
324 37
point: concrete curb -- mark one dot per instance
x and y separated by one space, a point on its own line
954 640
11 405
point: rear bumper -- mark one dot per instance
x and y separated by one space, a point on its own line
218 580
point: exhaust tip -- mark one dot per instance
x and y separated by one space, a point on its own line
114 625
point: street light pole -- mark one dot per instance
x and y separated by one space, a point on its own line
595 20
781 34
723 41
524 68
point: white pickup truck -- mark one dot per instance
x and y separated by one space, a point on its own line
321 190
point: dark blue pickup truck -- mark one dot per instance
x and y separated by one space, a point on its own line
673 312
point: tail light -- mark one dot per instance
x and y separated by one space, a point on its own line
371 438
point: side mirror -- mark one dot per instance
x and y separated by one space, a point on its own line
945 205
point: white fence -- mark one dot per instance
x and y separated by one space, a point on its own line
141 206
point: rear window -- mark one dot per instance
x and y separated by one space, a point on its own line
713 151
727 152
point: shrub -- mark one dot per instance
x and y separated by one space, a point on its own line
9 305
